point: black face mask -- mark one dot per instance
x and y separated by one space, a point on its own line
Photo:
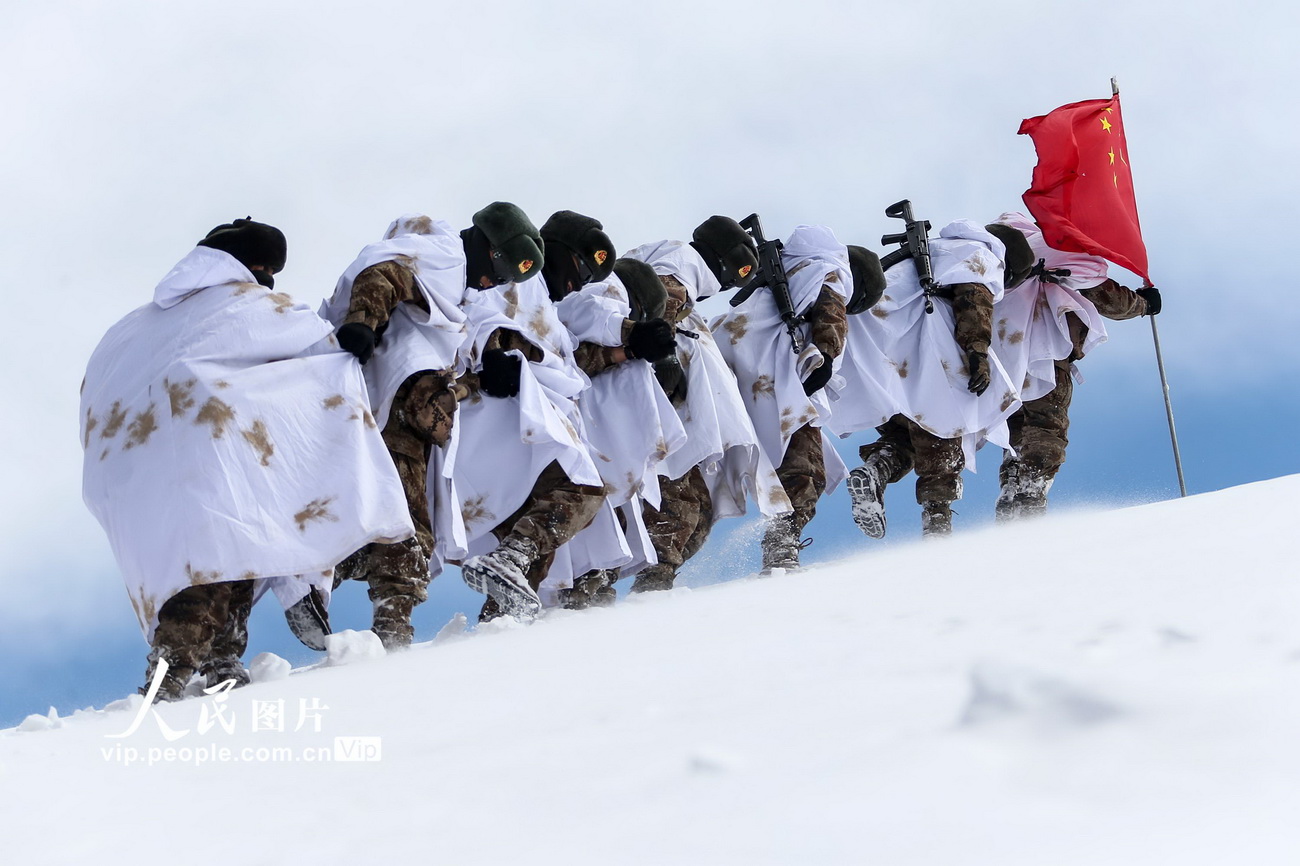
563 277
478 258
265 278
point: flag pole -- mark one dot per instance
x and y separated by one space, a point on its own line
1169 409
1164 380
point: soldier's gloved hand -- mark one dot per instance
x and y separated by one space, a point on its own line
359 339
652 341
672 378
500 374
978 364
1152 296
818 378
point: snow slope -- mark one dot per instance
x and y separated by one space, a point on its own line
1098 688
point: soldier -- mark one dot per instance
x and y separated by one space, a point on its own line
782 377
397 309
526 481
1054 319
721 462
214 420
950 391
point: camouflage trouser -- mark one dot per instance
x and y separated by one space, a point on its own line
904 445
678 528
421 417
556 510
803 474
1039 430
198 625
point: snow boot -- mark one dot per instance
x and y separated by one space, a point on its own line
936 519
309 620
867 493
502 575
593 589
392 621
1023 494
654 578
781 545
174 680
217 671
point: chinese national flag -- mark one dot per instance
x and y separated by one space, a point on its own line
1082 191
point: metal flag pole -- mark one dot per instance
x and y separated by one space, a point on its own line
1169 409
1164 380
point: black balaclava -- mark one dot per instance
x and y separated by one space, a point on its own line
478 258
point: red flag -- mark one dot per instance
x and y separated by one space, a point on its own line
1082 191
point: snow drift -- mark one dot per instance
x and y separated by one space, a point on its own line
1118 687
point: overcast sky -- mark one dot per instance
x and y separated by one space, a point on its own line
132 128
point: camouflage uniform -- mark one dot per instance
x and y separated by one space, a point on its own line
681 524
596 587
202 629
556 509
1040 428
904 445
421 417
678 528
803 468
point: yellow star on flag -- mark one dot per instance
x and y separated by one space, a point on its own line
1105 124
1112 156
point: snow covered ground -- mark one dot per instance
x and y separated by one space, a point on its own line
1097 688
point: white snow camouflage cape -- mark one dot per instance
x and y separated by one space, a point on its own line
1030 331
720 437
912 357
227 437
756 345
414 341
505 443
629 423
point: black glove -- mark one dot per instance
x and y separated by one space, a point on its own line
500 374
359 339
653 340
978 364
672 378
1152 296
818 378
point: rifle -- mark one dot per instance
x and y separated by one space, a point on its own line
771 273
915 245
1049 275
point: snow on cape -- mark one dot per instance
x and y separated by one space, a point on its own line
226 437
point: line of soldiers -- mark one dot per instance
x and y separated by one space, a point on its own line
560 417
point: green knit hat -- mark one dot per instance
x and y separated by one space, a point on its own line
516 244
